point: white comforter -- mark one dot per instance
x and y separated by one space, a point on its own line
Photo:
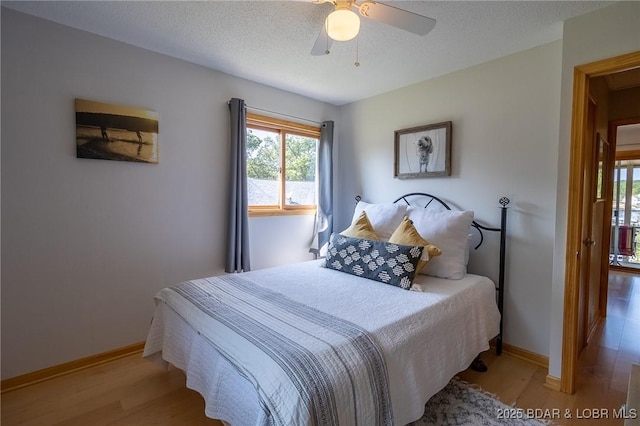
426 336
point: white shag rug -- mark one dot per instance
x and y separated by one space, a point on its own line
461 404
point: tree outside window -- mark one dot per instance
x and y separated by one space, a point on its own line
281 166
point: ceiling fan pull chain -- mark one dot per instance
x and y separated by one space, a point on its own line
326 27
357 62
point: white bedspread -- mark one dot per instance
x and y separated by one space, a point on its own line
426 336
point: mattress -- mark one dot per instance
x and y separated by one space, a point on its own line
426 335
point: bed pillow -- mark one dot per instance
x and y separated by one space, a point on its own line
361 228
388 263
449 231
384 218
407 234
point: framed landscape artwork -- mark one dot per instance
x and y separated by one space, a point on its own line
423 151
115 132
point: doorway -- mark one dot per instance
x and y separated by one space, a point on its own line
624 253
580 160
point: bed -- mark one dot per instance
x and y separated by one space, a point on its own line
308 344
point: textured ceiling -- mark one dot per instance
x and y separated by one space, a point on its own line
270 41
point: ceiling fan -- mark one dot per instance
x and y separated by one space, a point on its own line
344 24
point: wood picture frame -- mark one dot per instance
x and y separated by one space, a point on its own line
423 151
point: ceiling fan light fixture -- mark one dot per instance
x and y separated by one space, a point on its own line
342 24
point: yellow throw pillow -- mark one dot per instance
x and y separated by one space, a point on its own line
361 228
406 234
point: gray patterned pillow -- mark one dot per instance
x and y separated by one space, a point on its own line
388 263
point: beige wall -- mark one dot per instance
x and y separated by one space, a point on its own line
505 123
87 243
625 104
628 137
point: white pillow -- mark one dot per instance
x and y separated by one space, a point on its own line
384 218
449 231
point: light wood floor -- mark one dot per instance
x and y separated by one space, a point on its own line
133 391
603 366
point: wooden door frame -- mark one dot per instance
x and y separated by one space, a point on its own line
581 76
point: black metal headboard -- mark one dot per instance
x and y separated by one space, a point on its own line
428 199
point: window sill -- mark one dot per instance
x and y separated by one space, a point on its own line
280 212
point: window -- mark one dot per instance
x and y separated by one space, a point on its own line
625 218
626 193
281 166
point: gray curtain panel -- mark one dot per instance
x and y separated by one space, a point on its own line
238 220
324 216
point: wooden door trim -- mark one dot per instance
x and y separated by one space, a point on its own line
624 155
574 231
581 76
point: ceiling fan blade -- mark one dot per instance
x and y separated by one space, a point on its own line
399 18
323 43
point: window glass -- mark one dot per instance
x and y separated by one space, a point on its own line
300 170
263 167
625 219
